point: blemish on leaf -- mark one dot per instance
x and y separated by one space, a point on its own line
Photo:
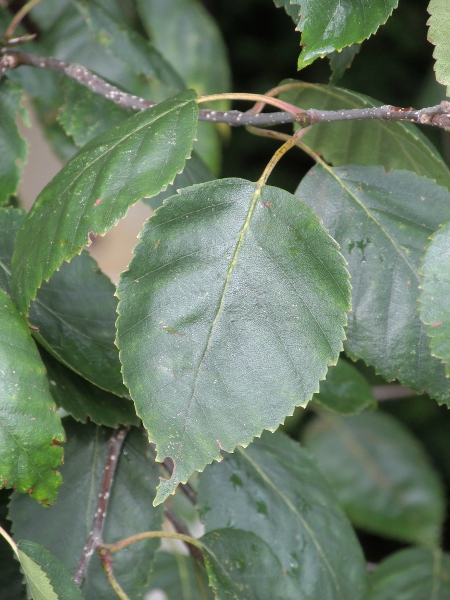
156 245
261 508
172 330
436 324
236 481
97 202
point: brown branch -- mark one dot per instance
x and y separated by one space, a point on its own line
438 116
391 391
95 536
180 527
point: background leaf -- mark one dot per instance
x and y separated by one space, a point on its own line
84 114
412 574
74 318
109 25
132 492
189 38
230 312
369 142
74 313
62 583
138 158
10 221
380 475
173 574
344 390
85 401
30 430
241 565
435 297
382 222
274 489
438 34
13 148
341 60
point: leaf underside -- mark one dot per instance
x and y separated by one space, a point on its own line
232 308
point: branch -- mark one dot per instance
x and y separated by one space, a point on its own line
180 527
94 540
437 116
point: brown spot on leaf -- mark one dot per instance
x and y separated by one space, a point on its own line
436 324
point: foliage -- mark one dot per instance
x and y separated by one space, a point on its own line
230 337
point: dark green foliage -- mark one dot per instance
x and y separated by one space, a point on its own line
243 305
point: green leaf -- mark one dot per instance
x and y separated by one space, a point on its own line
174 575
74 318
435 297
382 222
368 142
344 390
134 484
13 147
10 221
74 313
291 10
11 579
241 565
412 574
195 171
380 475
230 312
341 60
30 429
328 25
438 34
84 114
84 401
38 582
131 49
138 158
34 555
188 37
274 489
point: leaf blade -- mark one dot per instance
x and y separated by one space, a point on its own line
134 484
274 489
380 475
434 305
438 35
382 222
94 192
206 263
30 431
412 574
392 145
58 576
